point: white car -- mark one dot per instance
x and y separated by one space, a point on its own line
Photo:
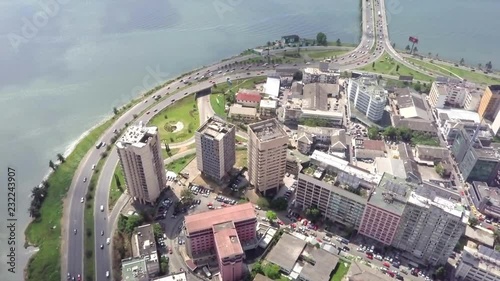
93 167
81 200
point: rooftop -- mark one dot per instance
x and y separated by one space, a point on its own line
137 135
484 258
286 252
260 277
134 269
360 272
451 207
482 190
483 236
343 165
239 110
460 114
226 239
390 165
321 269
268 104
319 131
215 128
272 86
317 94
432 151
495 89
420 125
371 144
268 130
247 96
391 194
146 242
207 220
487 154
317 71
181 276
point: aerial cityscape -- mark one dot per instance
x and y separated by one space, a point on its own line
302 158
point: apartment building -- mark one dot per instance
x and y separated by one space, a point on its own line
267 150
489 105
384 209
337 194
230 254
447 93
481 264
215 148
367 97
145 247
210 234
139 150
432 222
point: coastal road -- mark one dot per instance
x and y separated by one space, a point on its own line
72 248
102 222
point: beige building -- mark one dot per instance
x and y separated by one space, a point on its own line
449 92
490 102
139 150
215 147
267 148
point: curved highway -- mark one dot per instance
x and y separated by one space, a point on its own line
72 260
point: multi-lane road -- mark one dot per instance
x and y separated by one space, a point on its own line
373 43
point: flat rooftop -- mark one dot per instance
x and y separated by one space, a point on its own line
181 276
226 240
488 153
240 110
343 165
317 94
136 135
360 272
392 166
286 252
134 269
460 114
215 128
483 236
208 219
432 151
481 190
391 194
271 104
452 208
268 130
145 238
324 264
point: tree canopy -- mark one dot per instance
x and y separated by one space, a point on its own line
313 213
321 39
279 204
270 215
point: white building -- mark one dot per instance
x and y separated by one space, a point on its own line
495 126
482 264
272 86
451 93
215 148
139 150
367 97
431 224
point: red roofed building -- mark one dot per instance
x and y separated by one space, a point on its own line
221 235
251 99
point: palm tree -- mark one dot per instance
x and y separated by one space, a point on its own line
52 165
489 66
60 157
437 56
462 61
479 66
407 48
429 54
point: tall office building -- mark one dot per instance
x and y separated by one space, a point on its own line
139 150
490 102
215 147
367 97
267 148
432 222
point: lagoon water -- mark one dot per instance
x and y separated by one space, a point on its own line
63 71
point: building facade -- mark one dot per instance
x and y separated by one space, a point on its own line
486 199
490 102
139 150
430 227
482 264
267 151
367 97
448 93
215 148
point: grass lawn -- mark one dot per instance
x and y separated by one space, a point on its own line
386 65
178 165
240 139
218 103
340 271
166 155
476 76
241 158
324 54
45 233
117 186
185 112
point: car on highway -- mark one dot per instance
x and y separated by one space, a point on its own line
75 231
85 179
102 246
108 240
107 274
147 112
93 167
102 232
81 200
102 208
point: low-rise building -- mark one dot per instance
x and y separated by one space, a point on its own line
481 264
416 125
180 276
369 149
316 75
358 271
145 243
452 127
302 262
135 269
248 98
267 109
410 105
411 166
448 92
432 154
480 236
486 199
240 113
